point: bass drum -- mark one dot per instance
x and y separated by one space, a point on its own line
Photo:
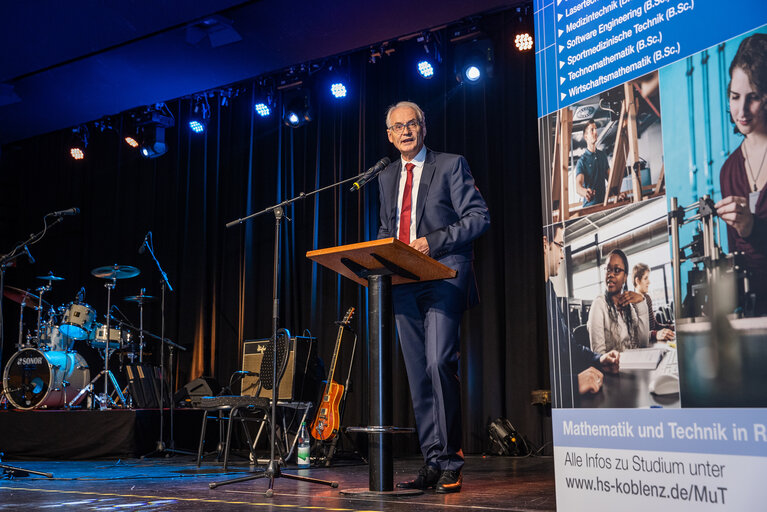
44 379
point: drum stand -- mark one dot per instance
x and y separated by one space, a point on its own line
41 290
105 400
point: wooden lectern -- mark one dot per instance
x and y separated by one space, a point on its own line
379 264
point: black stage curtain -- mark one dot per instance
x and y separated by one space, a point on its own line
222 278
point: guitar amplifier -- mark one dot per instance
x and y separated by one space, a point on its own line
301 380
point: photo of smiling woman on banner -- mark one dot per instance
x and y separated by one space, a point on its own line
743 177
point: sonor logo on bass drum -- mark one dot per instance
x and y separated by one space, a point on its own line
29 360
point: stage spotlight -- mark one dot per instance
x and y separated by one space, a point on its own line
523 42
296 110
78 143
474 61
198 121
263 109
152 124
472 73
425 69
338 90
132 142
428 57
153 144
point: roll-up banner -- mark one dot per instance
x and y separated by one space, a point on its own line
653 145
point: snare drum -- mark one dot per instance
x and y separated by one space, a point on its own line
36 379
100 337
77 321
54 339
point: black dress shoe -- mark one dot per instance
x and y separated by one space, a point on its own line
427 478
449 481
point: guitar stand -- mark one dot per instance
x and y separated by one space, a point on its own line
328 455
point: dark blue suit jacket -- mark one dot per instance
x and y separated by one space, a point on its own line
450 213
567 358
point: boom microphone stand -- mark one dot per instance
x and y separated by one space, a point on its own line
160 447
272 470
5 259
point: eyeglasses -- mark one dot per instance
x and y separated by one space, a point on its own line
616 271
398 128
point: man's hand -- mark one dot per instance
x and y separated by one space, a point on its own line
664 335
611 361
589 380
421 245
734 210
589 194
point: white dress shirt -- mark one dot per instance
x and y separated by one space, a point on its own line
418 161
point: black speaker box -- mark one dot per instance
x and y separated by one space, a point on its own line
145 384
195 390
303 374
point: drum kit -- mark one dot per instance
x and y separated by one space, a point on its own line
47 371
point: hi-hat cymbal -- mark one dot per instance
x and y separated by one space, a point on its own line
50 277
22 296
115 272
140 299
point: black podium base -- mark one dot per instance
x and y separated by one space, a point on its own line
365 492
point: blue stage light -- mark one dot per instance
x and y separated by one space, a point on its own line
198 121
472 73
426 69
262 109
196 126
296 110
145 152
293 119
338 90
474 61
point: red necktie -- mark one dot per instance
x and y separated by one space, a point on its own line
407 201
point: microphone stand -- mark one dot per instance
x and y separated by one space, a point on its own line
160 447
7 259
13 471
272 470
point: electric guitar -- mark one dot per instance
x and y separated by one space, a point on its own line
326 423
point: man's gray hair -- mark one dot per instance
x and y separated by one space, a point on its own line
419 115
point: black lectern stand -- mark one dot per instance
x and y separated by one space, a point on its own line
379 265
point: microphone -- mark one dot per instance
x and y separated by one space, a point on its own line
143 244
29 254
64 213
370 173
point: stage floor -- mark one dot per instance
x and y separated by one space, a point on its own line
490 483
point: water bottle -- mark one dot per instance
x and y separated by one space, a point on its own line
303 447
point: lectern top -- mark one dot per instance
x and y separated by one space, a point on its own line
405 264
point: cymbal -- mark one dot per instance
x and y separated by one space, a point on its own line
50 277
140 299
115 272
22 296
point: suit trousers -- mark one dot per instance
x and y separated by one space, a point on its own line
428 317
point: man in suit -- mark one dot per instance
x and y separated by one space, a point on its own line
429 201
575 369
